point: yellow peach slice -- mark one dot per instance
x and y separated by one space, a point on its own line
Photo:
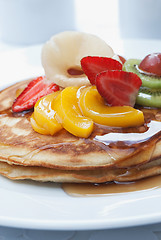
69 114
45 116
37 127
93 106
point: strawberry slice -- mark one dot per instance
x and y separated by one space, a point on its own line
36 89
123 60
94 65
118 88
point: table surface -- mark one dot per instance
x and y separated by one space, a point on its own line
148 232
151 232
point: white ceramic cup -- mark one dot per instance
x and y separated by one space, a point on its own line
34 21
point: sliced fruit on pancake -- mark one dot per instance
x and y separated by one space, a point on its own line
149 97
95 107
69 114
94 65
45 115
149 70
123 60
37 127
118 88
151 64
36 89
149 81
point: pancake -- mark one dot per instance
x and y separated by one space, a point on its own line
17 172
107 148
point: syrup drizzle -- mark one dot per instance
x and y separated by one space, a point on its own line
154 127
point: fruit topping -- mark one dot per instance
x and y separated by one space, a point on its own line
37 127
36 89
150 92
94 65
118 88
123 60
94 106
64 51
44 115
69 114
151 64
149 97
149 81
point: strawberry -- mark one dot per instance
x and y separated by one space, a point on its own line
36 89
118 88
94 65
123 60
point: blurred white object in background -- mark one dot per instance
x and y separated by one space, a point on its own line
140 19
34 21
99 17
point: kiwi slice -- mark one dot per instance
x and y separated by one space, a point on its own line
149 97
149 81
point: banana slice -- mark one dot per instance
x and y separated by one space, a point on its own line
61 56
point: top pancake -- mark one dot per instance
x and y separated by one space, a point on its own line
20 144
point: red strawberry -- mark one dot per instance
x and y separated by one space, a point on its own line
94 65
36 89
123 60
118 88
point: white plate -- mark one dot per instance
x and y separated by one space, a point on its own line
34 205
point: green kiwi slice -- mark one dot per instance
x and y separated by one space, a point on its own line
149 81
149 97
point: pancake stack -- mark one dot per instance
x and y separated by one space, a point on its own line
109 154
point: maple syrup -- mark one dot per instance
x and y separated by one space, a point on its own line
106 189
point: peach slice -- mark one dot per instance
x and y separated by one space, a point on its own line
93 106
37 127
69 114
44 114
